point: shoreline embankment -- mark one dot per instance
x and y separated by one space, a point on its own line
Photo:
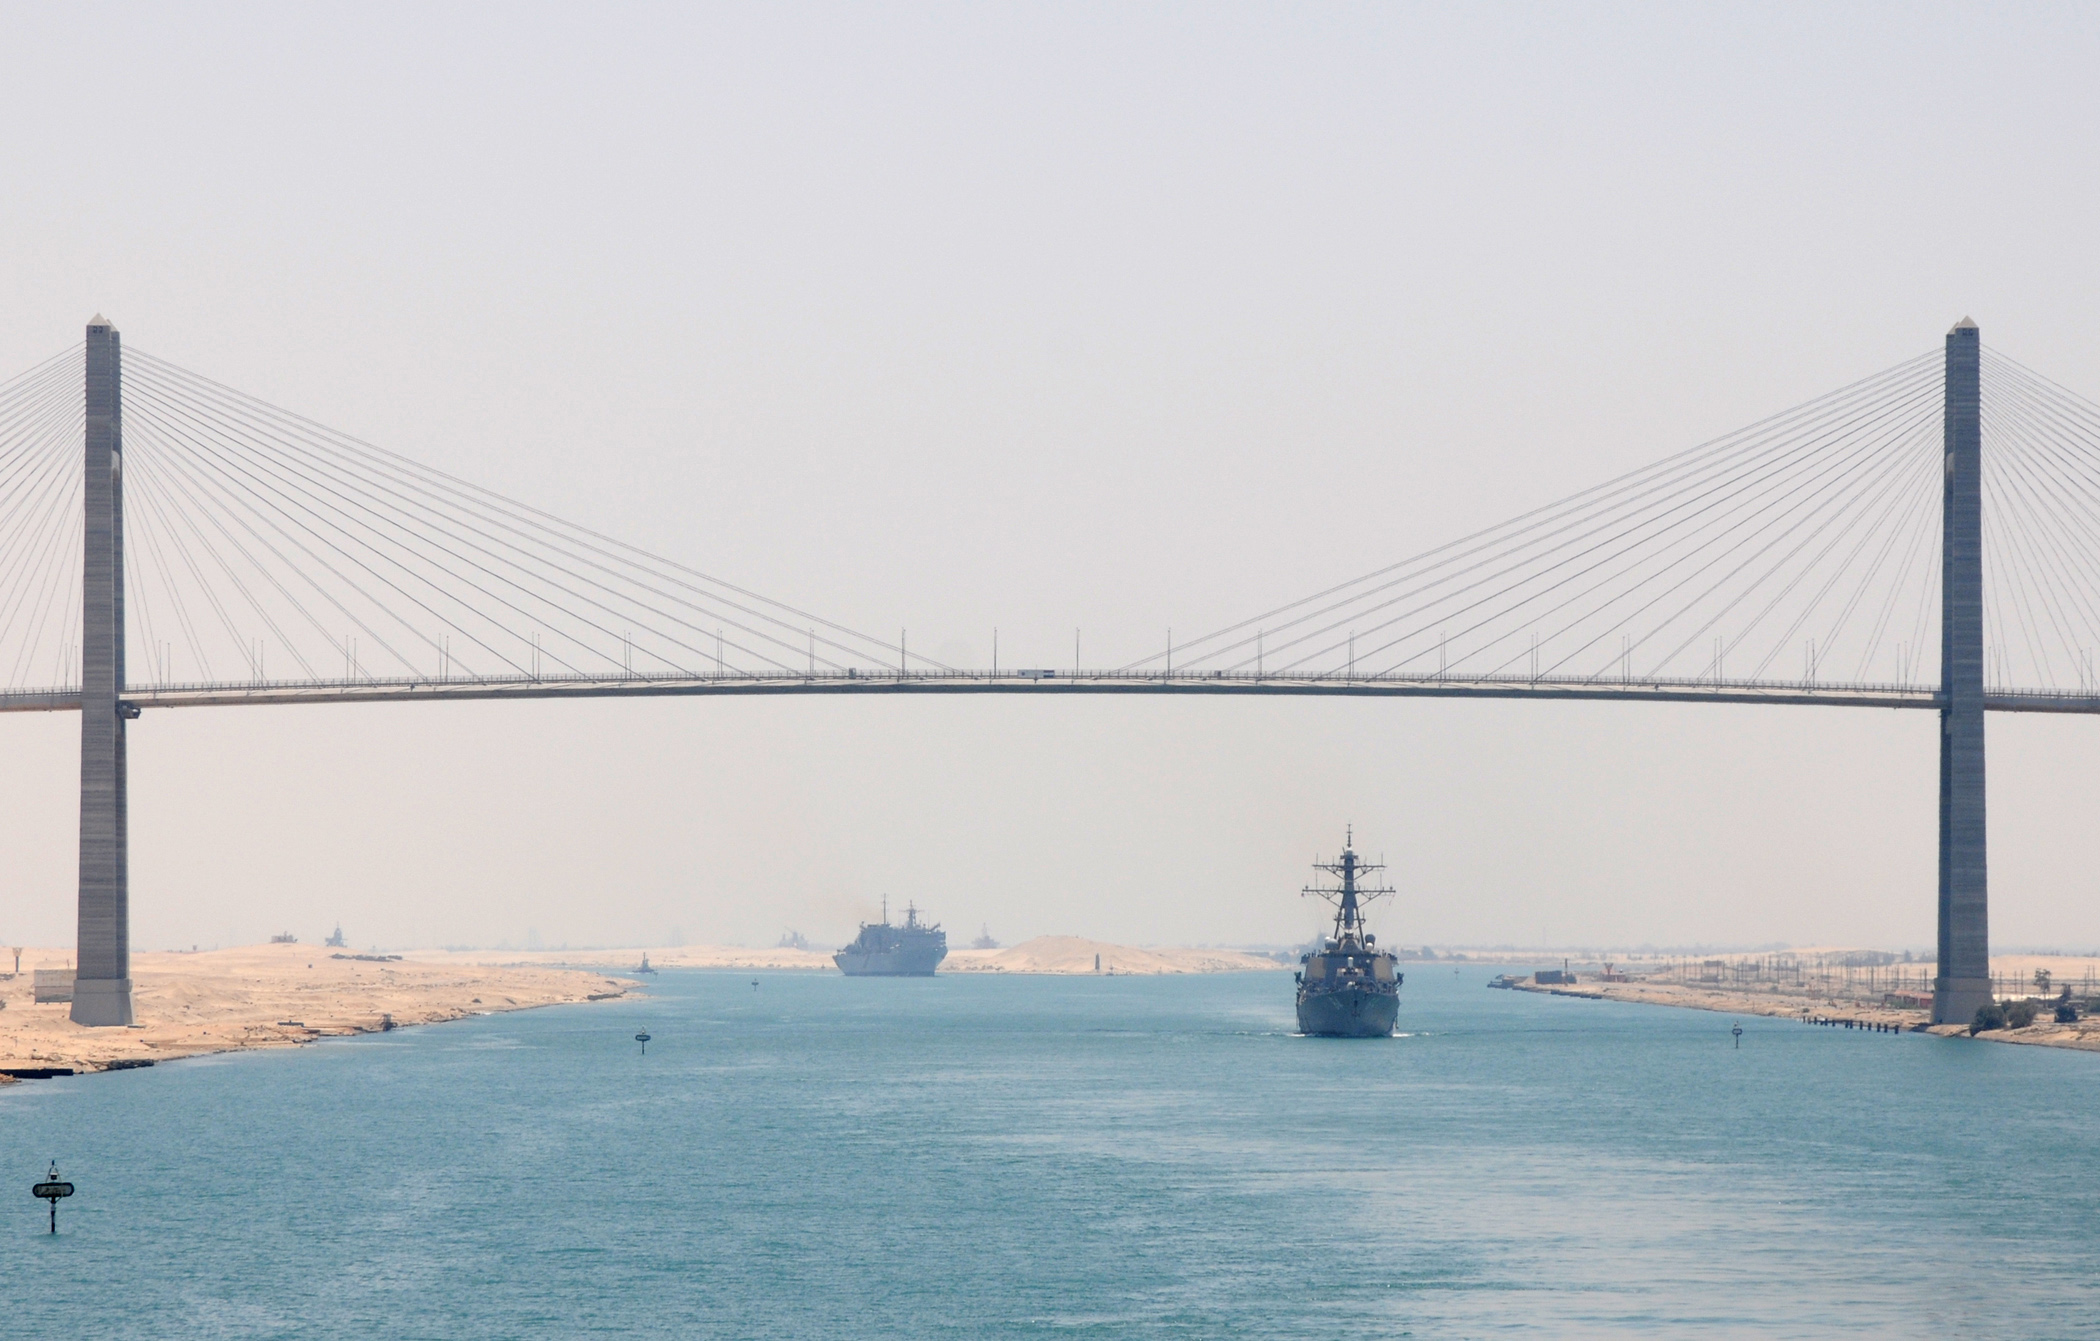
266 996
1825 999
197 1003
1062 955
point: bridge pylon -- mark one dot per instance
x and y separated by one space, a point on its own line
102 978
1964 980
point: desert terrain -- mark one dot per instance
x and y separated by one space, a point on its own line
264 996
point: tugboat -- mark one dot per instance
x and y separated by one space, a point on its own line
1348 988
913 950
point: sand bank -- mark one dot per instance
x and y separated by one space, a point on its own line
1077 955
266 996
1044 954
625 959
1782 1001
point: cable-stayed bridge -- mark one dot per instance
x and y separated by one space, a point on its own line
1922 538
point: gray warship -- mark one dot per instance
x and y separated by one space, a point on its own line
1348 987
913 950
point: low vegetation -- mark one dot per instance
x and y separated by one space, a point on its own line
1987 1017
2011 1015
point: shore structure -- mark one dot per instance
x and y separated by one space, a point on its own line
1829 988
264 996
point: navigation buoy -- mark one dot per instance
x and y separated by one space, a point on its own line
51 1189
754 984
1738 1032
643 1039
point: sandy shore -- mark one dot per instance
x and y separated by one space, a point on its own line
267 996
1044 954
1076 954
1781 1002
625 959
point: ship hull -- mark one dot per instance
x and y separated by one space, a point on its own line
1349 1012
913 961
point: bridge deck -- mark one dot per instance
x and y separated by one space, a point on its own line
1043 682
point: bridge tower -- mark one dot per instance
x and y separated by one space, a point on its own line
102 980
1964 981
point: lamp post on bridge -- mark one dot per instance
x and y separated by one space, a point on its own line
1964 980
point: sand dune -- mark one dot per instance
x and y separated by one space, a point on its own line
1044 954
1076 954
264 996
625 959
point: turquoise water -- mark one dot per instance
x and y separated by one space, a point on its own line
1082 1157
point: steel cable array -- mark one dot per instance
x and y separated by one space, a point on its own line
1802 550
263 548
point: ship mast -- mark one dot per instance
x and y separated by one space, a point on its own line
1351 894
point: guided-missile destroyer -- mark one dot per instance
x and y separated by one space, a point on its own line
913 950
1348 988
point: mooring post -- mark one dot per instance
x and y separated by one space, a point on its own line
1964 981
102 982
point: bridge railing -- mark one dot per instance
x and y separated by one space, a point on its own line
1024 680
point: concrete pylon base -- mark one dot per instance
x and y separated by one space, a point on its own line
1954 1000
102 1002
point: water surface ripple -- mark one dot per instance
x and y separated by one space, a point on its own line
1068 1157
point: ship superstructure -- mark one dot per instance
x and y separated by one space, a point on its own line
913 950
1348 987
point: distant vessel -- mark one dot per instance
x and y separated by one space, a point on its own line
913 950
337 940
643 967
284 938
1348 987
984 939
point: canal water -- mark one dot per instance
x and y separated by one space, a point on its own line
1066 1157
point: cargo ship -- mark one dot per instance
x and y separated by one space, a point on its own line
1348 987
913 950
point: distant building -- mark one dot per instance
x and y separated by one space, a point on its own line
52 985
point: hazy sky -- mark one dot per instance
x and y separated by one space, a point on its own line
1121 317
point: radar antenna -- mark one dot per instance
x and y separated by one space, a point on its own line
1351 893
